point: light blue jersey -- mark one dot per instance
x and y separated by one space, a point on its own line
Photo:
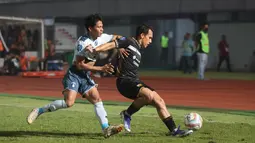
85 40
80 80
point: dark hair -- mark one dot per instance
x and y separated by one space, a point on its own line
91 20
203 24
143 29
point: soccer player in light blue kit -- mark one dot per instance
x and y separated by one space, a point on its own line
78 80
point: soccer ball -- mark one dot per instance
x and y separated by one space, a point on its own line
193 121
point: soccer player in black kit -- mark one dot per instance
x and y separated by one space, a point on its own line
129 84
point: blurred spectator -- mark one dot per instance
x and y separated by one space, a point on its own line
164 48
223 53
54 61
21 47
11 65
23 61
14 50
49 47
18 39
187 52
46 47
47 53
22 39
33 63
194 55
203 49
16 34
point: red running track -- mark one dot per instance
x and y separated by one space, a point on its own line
225 94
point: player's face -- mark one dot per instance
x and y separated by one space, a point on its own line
97 30
206 27
147 39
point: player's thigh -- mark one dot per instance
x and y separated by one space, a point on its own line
93 95
88 90
71 86
151 96
69 96
147 94
130 88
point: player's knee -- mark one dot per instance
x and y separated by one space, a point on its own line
96 100
69 103
70 97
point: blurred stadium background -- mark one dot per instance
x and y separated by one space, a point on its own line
40 29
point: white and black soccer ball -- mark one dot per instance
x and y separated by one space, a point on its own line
193 121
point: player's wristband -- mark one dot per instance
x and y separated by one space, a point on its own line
116 43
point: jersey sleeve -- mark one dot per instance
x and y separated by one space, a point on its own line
80 49
106 38
122 42
80 46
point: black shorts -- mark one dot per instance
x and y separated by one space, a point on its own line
130 88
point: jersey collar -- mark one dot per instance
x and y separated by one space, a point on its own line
88 35
137 42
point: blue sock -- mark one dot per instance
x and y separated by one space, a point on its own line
105 125
40 110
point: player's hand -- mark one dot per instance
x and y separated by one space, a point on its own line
108 68
90 49
123 53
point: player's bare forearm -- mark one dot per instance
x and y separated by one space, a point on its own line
88 66
106 47
95 68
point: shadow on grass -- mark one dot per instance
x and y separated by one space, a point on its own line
98 136
50 134
144 134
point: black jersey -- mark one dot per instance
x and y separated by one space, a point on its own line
128 67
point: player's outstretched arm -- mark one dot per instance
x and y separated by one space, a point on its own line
105 47
123 52
85 64
118 43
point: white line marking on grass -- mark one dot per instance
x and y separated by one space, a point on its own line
113 114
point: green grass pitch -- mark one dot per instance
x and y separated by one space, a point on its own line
79 124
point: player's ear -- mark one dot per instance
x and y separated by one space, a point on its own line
90 29
142 35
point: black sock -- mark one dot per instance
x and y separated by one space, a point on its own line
132 109
169 122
